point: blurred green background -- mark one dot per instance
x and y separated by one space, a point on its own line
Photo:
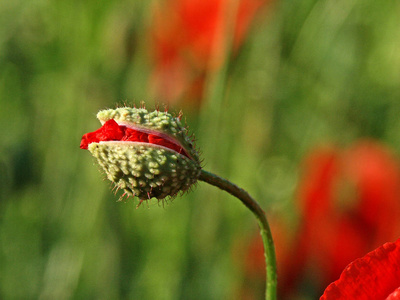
309 72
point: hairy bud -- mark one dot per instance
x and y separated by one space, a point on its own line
147 154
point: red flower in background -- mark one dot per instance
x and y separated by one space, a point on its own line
374 276
349 204
190 38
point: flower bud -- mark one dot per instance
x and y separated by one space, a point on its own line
147 154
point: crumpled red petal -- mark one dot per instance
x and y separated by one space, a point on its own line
111 131
374 276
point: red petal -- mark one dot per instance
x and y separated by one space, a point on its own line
87 138
133 135
374 276
111 131
153 139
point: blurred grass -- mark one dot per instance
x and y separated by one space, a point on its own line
310 72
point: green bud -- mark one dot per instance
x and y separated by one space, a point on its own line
160 161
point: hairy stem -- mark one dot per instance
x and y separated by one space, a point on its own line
250 203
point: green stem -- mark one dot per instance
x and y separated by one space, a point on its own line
250 203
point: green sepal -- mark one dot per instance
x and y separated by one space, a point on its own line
145 170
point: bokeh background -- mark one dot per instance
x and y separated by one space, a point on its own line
296 101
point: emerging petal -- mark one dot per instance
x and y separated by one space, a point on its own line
374 276
111 131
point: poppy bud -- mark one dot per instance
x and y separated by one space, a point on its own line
147 154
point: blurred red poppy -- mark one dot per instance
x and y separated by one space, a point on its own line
374 276
190 39
349 204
